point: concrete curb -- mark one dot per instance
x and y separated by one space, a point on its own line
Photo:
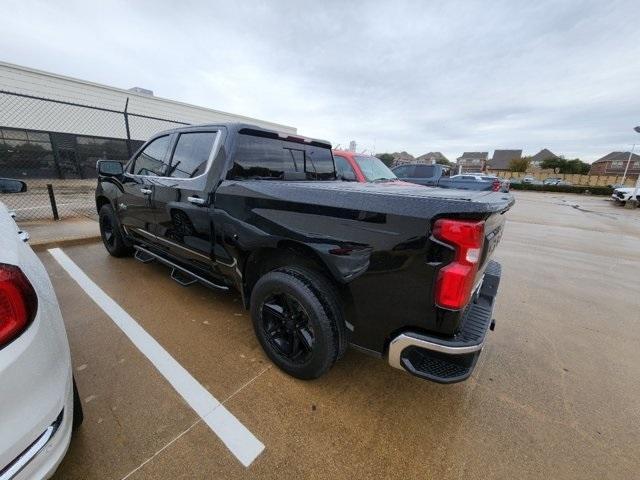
63 242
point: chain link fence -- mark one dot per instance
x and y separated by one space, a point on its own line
53 145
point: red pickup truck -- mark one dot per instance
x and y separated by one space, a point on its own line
358 167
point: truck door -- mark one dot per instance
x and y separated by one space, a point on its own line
182 200
135 207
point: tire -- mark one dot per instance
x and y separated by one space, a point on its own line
111 233
78 414
297 321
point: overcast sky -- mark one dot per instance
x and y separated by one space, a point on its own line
417 76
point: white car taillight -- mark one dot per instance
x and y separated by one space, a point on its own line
18 303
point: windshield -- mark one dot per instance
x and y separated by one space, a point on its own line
373 169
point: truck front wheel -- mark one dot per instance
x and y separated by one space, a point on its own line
295 322
111 233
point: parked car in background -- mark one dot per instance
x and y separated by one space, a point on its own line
319 263
39 404
505 184
357 167
529 180
439 176
551 181
623 194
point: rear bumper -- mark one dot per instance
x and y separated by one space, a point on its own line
42 457
452 359
36 388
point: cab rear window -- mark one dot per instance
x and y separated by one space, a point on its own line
263 157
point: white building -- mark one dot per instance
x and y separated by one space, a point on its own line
46 129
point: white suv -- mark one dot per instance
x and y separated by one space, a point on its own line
39 404
624 194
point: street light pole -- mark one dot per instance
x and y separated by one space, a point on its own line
624 177
634 197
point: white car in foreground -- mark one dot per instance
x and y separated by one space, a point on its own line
623 194
39 404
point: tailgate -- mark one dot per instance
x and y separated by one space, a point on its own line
493 228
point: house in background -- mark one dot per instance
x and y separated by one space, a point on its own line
501 159
400 158
432 158
615 163
473 162
535 162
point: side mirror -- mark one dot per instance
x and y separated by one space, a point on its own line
8 185
109 168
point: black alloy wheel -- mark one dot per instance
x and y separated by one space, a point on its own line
106 227
286 326
111 233
297 318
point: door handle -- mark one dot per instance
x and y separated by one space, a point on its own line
196 200
146 191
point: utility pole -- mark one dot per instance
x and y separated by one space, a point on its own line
634 198
626 168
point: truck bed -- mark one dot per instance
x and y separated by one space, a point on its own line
382 198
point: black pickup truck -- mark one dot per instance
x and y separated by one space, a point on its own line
401 272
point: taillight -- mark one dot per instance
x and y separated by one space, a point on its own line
495 186
455 280
18 303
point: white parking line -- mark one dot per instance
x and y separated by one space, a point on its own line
238 439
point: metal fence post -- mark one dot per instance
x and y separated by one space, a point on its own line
126 126
52 199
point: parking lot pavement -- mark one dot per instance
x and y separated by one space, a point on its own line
556 393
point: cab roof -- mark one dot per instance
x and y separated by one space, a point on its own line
250 129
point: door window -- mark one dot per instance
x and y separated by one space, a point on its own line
191 154
151 161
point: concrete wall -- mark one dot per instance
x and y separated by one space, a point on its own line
60 118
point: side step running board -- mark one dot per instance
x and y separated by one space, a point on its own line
143 256
180 274
182 278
